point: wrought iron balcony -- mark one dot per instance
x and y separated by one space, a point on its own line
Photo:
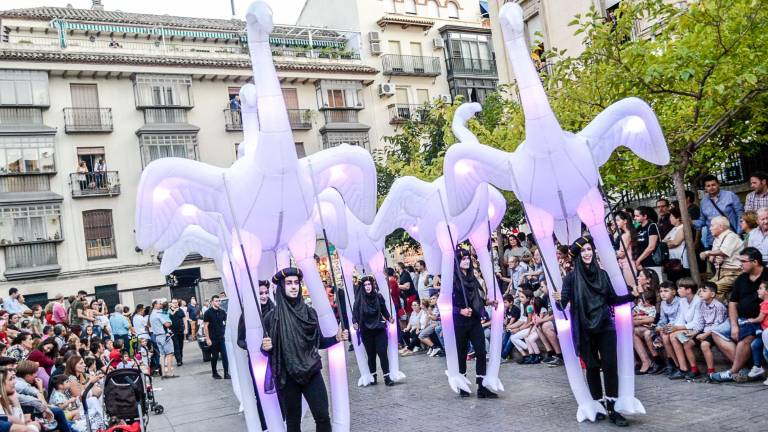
31 260
301 119
340 116
233 120
394 64
473 67
87 120
401 113
103 183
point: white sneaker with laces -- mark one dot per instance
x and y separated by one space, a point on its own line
756 372
416 349
429 352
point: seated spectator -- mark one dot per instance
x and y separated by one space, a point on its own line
760 343
758 237
724 255
426 335
643 319
683 329
516 272
411 331
58 398
21 346
115 354
711 314
522 328
531 341
747 223
511 316
126 362
744 304
670 310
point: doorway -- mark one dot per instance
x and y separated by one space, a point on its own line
187 281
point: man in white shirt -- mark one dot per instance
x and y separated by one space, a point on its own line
724 256
683 328
422 280
11 303
758 238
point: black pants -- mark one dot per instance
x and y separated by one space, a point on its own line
178 346
317 399
602 350
375 343
217 347
471 333
411 339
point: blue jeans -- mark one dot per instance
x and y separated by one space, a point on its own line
758 351
61 419
506 345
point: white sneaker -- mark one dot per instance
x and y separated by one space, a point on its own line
416 349
755 372
765 382
436 351
429 352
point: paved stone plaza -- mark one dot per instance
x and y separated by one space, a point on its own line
537 400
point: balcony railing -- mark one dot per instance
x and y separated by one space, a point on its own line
468 66
401 113
25 183
87 120
104 183
233 120
394 64
14 117
340 116
301 119
31 260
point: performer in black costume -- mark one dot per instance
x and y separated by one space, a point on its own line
466 321
370 317
292 344
589 291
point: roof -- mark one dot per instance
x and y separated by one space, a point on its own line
93 15
405 20
132 59
16 198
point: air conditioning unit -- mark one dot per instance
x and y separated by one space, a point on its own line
445 98
386 89
374 36
438 43
375 48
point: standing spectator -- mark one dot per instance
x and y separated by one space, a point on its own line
675 241
178 319
120 326
724 256
214 320
234 103
100 171
758 238
744 304
140 322
625 243
515 248
758 198
407 289
693 210
716 203
77 315
11 303
160 324
663 208
193 313
59 311
648 237
82 175
422 280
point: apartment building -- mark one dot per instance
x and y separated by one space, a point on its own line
88 97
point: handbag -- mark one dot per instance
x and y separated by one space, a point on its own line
661 253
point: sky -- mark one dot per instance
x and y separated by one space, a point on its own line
286 11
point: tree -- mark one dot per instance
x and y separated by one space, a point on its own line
700 66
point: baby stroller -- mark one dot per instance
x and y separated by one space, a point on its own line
125 401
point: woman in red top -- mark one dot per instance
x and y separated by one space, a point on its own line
45 354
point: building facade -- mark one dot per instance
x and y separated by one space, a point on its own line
88 97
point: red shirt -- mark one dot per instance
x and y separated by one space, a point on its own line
115 357
764 311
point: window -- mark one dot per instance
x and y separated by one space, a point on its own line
339 94
99 235
291 98
433 9
30 223
333 139
26 154
453 10
31 300
91 156
300 152
109 294
23 87
534 32
163 90
422 96
156 146
410 7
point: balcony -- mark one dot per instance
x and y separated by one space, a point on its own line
410 65
472 67
106 183
301 119
401 113
85 120
233 120
31 261
340 116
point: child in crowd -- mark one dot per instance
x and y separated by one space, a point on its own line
126 362
683 329
760 344
670 309
538 312
58 398
712 313
411 331
644 318
116 354
519 333
143 355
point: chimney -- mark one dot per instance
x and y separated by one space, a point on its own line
96 5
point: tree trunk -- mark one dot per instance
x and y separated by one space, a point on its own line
690 247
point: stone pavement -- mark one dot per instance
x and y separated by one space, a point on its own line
537 398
